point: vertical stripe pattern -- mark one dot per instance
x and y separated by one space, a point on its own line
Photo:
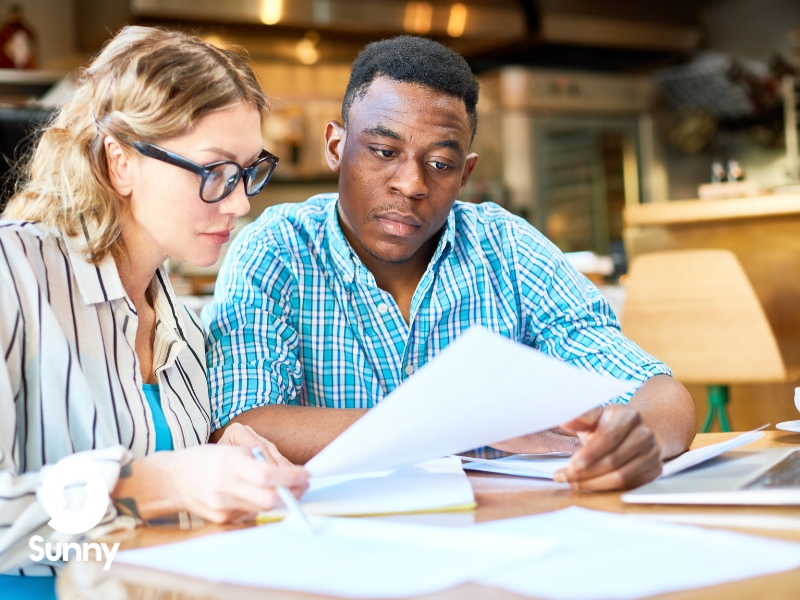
70 380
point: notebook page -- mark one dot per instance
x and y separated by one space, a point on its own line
438 484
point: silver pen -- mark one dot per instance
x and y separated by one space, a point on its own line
288 498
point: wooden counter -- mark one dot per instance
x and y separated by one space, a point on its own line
705 211
764 233
498 497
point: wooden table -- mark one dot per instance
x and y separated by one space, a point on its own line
498 497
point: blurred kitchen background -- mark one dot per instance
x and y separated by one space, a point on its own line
620 129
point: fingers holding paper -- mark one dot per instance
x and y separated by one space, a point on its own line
619 450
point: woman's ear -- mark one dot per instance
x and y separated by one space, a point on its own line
334 145
119 167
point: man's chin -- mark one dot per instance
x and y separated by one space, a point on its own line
394 256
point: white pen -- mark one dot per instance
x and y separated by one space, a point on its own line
288 498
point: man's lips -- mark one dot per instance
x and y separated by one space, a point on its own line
219 237
398 224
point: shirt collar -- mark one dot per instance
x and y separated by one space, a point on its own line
342 254
346 259
97 283
448 238
170 324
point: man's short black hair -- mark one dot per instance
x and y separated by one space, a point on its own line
417 60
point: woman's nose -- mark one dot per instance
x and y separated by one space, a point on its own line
236 203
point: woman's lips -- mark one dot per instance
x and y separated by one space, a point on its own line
219 237
398 224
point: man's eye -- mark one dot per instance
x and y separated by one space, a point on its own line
439 166
383 153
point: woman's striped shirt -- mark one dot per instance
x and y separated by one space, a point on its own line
70 379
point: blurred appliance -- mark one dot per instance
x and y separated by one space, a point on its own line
571 150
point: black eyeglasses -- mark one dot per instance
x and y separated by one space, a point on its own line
218 178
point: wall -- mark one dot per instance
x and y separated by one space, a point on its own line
753 29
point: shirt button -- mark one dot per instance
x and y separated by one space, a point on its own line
409 369
383 309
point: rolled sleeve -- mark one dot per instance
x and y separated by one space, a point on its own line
252 341
568 318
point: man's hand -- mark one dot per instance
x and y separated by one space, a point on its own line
619 450
237 434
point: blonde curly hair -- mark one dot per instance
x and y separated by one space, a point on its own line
147 84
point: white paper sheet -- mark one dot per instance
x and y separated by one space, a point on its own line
695 457
482 389
544 466
432 485
353 558
573 554
603 556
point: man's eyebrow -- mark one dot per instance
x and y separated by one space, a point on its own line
383 131
452 144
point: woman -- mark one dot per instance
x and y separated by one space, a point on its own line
100 356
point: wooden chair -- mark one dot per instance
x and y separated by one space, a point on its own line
697 311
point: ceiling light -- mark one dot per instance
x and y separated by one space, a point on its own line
457 20
271 11
418 17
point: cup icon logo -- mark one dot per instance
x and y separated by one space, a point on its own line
71 471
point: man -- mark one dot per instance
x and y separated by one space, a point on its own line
322 308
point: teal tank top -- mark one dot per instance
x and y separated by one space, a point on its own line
163 434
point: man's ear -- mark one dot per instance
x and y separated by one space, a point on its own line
469 164
334 145
119 167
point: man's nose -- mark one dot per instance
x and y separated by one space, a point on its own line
409 179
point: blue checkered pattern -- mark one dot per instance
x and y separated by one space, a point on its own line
298 319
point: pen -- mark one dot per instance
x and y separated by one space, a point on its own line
288 498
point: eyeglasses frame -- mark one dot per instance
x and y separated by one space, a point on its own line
204 171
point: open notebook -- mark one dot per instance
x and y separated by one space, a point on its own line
433 485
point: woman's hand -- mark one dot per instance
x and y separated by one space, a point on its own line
220 483
237 434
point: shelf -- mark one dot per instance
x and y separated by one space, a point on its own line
30 76
699 211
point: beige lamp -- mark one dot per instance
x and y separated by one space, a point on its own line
697 311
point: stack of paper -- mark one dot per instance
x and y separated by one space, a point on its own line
544 466
434 485
574 553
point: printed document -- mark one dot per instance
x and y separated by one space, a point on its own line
482 389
